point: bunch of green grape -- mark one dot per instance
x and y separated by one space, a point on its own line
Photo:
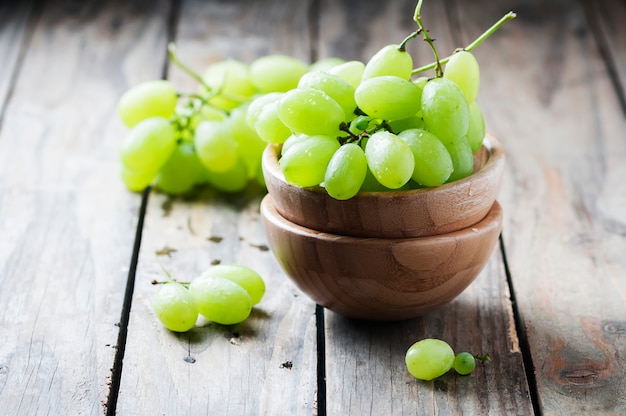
431 358
177 141
224 294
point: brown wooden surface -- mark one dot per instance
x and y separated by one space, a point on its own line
75 293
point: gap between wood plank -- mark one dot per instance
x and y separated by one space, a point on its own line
520 330
116 371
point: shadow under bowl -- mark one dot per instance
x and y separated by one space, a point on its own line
377 278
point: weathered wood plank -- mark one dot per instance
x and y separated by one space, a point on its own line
67 225
548 95
365 370
14 19
266 365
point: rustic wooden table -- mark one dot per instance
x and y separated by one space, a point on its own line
78 251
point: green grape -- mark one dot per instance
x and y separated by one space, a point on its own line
445 110
232 180
413 122
390 159
137 181
310 111
335 87
462 159
433 164
221 300
269 126
464 363
351 71
256 106
462 69
215 145
278 73
429 358
476 131
388 97
149 99
371 184
175 307
207 113
346 172
244 276
389 61
148 145
249 145
290 141
181 171
305 162
325 64
230 84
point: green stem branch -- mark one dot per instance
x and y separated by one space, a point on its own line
417 18
171 50
471 46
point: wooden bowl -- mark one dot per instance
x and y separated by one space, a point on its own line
395 214
377 278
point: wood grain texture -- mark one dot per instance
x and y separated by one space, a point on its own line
266 365
365 371
564 198
67 225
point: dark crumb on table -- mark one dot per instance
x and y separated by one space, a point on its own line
215 262
261 247
165 251
287 364
189 359
215 239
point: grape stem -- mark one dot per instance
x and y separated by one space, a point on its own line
171 50
418 19
402 46
470 47
482 357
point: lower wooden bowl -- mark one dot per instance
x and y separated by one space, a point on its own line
376 278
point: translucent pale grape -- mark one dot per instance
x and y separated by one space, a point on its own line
305 163
310 111
433 164
335 87
149 99
351 71
388 97
249 145
232 180
230 81
257 104
221 300
462 68
346 172
148 145
476 130
445 110
276 73
462 159
389 61
269 126
181 171
244 276
175 307
429 358
390 159
216 147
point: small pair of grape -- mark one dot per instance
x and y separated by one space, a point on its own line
224 294
431 358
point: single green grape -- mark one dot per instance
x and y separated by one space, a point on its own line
276 73
269 126
476 131
340 90
346 172
232 180
230 83
305 162
250 146
462 159
148 145
181 171
215 145
244 276
462 69
310 111
388 97
175 307
464 363
433 164
156 98
445 110
324 64
256 105
221 300
389 61
351 71
137 181
429 358
390 159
